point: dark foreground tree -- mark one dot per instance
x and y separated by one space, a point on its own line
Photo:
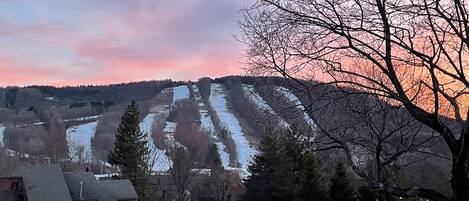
272 175
130 151
311 181
366 194
340 189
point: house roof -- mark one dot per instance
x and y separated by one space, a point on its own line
107 190
121 188
43 182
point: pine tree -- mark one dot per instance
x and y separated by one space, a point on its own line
312 182
130 151
272 175
340 189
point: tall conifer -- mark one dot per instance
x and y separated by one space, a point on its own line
130 151
340 189
271 176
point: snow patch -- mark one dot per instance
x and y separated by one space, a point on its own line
2 133
250 93
180 92
79 140
87 118
161 160
295 100
219 103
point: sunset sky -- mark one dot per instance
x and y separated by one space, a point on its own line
61 42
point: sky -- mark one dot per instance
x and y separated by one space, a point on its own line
75 42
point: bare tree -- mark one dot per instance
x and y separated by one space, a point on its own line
413 53
56 142
182 172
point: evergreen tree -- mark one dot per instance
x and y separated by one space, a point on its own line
213 158
312 182
272 175
340 189
130 151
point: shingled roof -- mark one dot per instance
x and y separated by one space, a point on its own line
43 182
106 190
49 183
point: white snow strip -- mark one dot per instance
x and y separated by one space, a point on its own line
244 150
294 99
87 118
79 140
206 125
2 133
169 132
250 93
170 127
180 92
161 160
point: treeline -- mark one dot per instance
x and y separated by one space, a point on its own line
38 99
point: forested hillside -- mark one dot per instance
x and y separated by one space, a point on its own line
221 119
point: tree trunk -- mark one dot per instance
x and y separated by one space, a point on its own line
460 182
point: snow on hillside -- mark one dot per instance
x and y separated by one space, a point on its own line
294 99
218 102
169 132
79 140
162 162
250 93
87 118
180 92
2 132
206 125
205 120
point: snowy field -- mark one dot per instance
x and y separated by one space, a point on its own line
180 92
206 125
244 150
250 93
294 99
79 140
162 161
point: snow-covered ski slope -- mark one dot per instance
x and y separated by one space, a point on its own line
161 160
79 140
180 93
250 93
205 119
295 100
206 125
219 103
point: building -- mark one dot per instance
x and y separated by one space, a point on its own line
49 183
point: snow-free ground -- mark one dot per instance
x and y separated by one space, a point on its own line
218 102
206 125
